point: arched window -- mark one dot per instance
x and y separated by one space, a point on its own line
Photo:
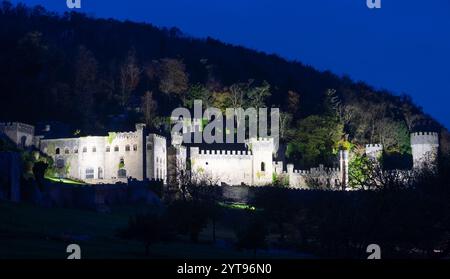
84 149
127 148
66 151
94 149
23 141
89 173
263 166
135 147
57 151
108 149
100 173
116 148
149 146
75 151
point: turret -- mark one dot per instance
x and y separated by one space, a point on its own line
290 168
374 151
425 148
343 165
262 150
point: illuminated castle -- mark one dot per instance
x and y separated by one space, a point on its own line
138 155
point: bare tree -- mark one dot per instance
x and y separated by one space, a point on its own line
129 77
173 76
149 107
237 95
285 120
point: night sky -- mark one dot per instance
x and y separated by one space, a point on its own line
403 47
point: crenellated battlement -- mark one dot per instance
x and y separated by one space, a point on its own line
312 171
374 145
224 153
158 137
261 140
17 126
425 134
126 135
431 138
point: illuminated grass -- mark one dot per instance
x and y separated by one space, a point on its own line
64 180
237 205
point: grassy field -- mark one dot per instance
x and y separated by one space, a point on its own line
64 180
27 231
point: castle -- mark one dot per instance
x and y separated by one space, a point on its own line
139 155
99 159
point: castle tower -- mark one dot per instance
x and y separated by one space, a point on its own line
425 148
142 154
262 151
374 151
343 166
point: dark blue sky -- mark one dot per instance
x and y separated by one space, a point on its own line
403 47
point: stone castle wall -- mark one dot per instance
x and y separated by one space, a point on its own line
21 134
156 157
109 158
223 166
301 179
425 148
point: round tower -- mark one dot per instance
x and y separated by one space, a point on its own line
425 148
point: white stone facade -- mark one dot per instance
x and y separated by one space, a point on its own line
253 166
425 148
115 157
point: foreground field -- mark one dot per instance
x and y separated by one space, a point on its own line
27 231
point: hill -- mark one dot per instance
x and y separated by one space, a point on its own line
102 74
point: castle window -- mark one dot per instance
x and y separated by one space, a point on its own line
108 149
66 151
100 173
135 147
94 149
263 166
75 151
89 173
149 146
57 151
116 148
127 148
84 149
